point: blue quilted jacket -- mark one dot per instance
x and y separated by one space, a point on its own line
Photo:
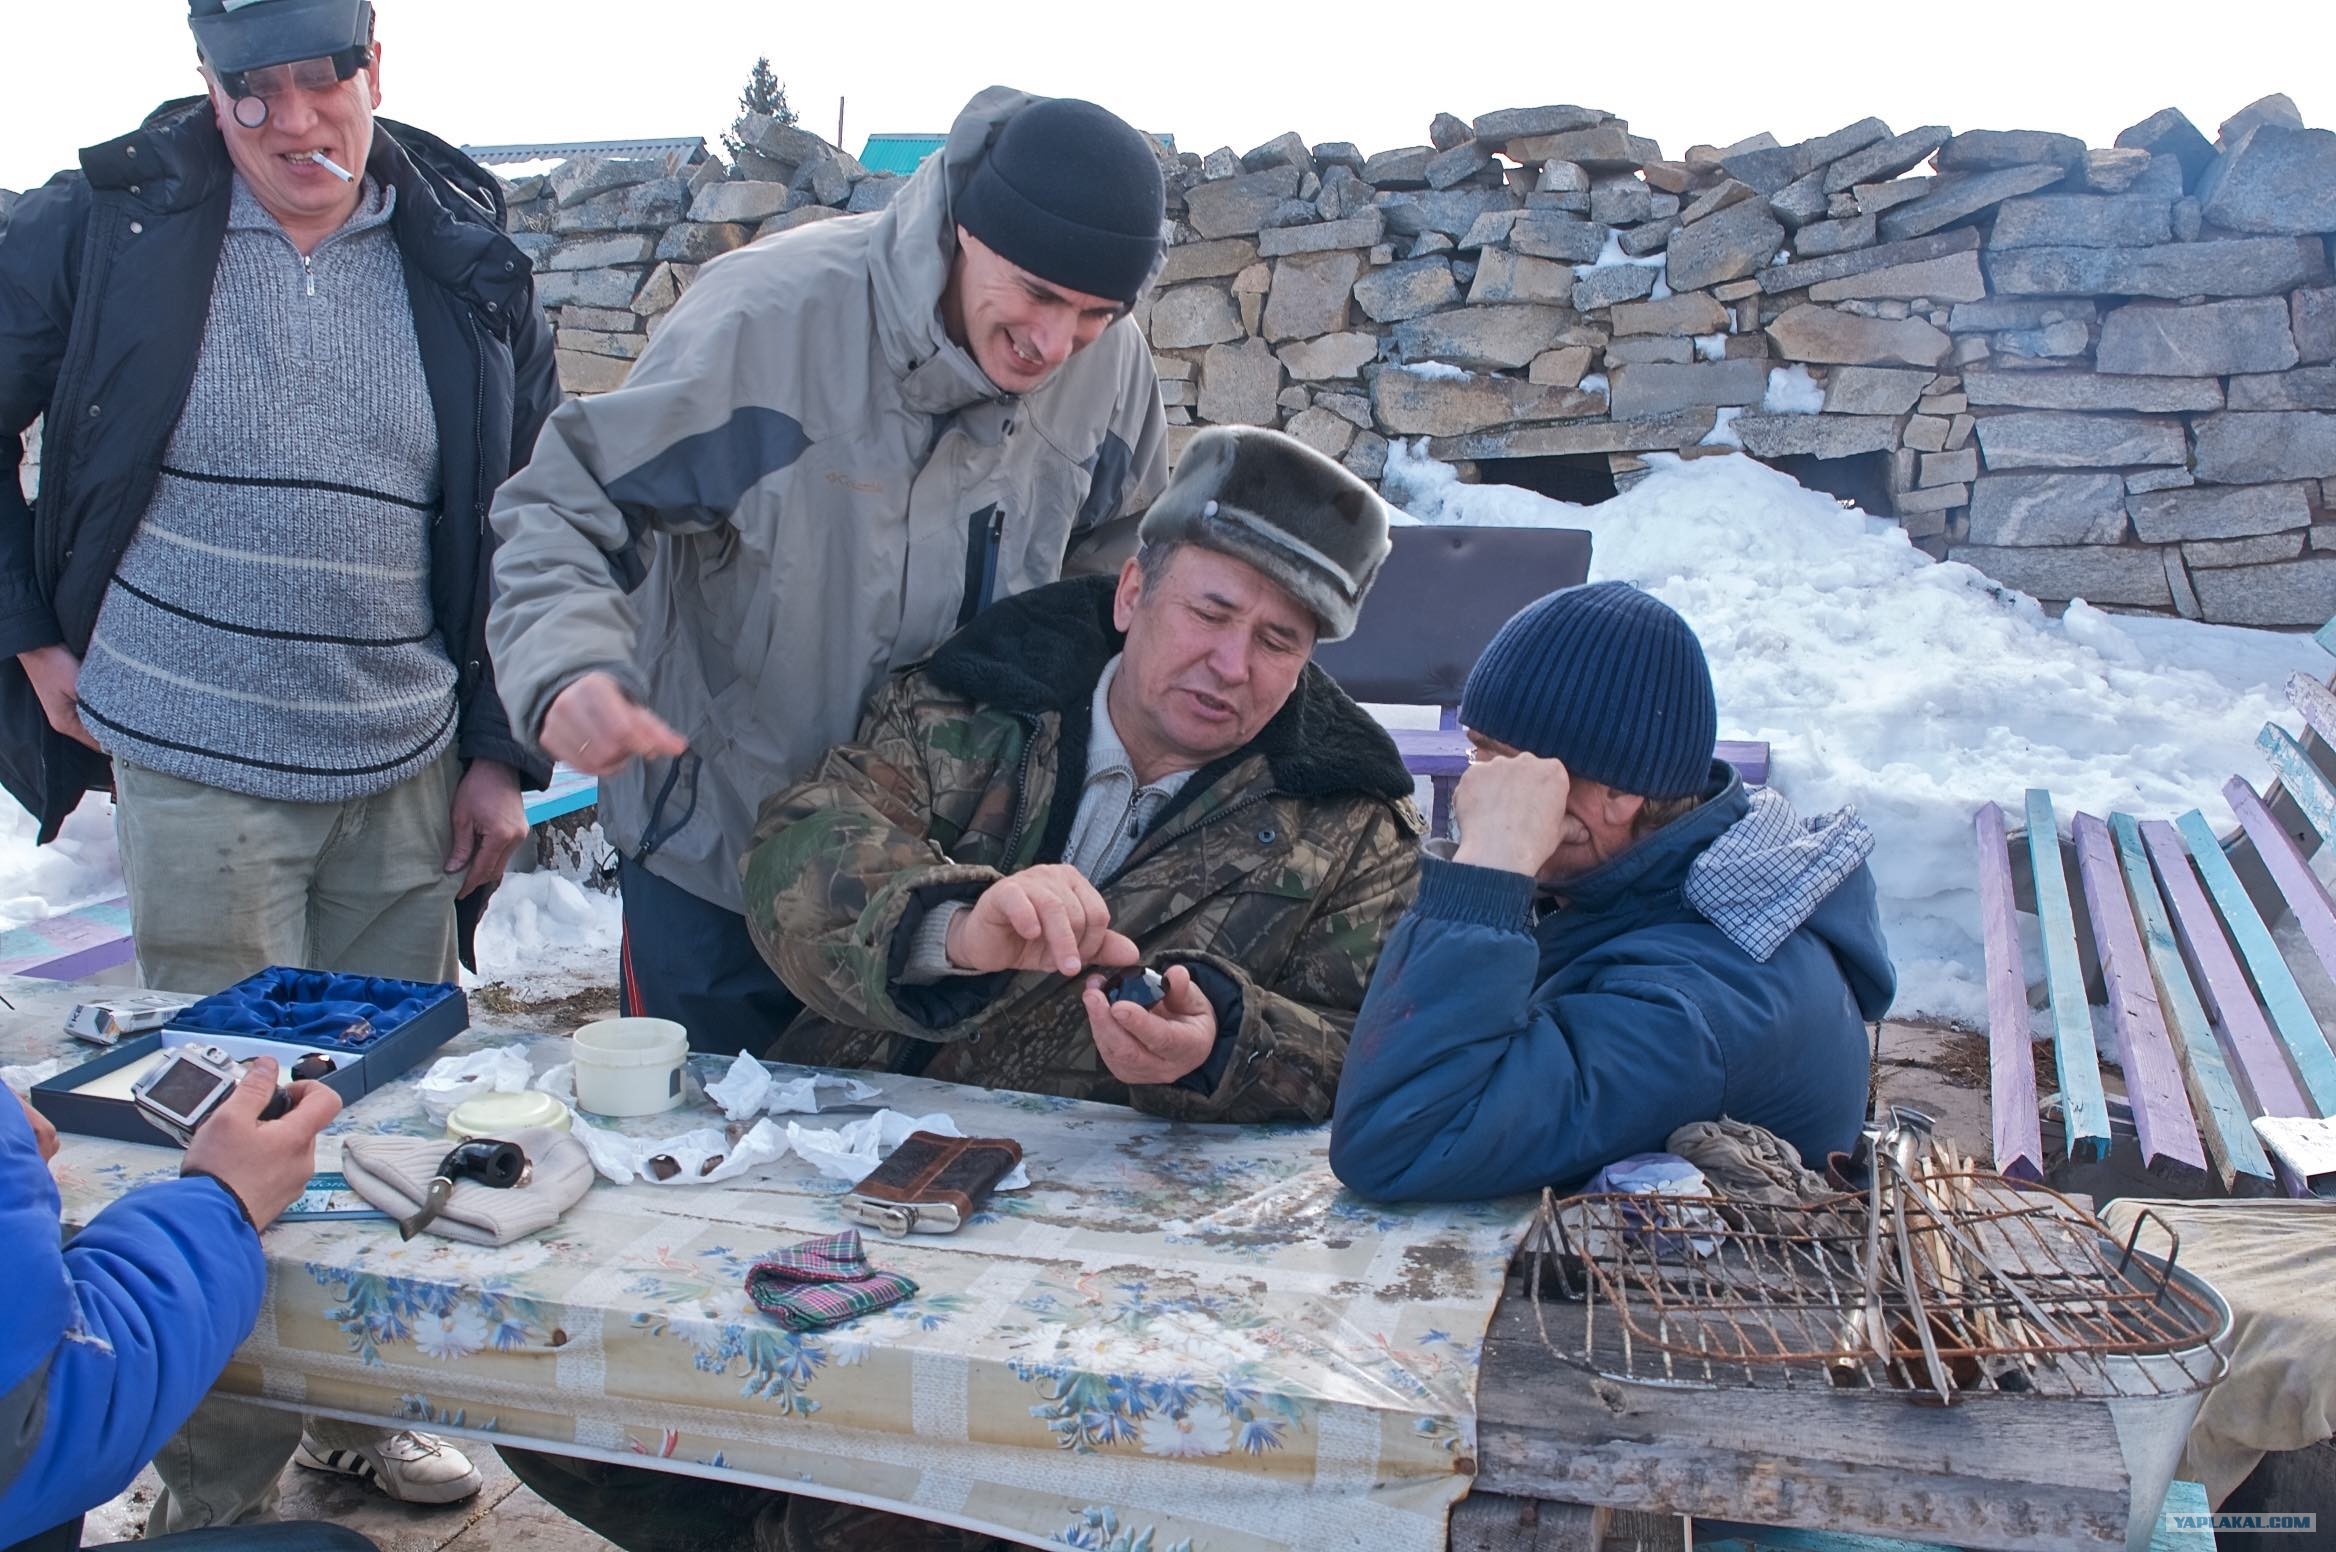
1726 965
108 1341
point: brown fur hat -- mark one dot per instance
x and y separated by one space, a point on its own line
1271 500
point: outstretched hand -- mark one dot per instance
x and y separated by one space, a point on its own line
593 726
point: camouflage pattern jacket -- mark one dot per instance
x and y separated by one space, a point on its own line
1275 873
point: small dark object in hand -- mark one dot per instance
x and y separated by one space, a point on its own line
664 1166
713 1162
1140 986
313 1066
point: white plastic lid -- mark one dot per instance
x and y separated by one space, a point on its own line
499 1115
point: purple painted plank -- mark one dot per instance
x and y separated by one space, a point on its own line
84 962
2011 1055
2315 913
2254 1052
35 943
1433 752
2162 1119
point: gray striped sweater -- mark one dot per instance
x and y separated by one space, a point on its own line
269 630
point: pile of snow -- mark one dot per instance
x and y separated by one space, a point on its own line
546 935
80 866
1913 689
1442 371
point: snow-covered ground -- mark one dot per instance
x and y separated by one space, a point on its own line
1915 690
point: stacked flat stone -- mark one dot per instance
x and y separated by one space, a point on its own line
2097 372
616 240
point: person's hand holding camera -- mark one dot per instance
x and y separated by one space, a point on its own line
264 1164
1043 918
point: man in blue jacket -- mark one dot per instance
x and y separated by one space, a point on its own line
109 1342
1625 940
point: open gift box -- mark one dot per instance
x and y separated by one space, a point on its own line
376 1028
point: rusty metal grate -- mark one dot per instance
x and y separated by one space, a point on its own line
1939 1281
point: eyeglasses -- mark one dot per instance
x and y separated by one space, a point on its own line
252 90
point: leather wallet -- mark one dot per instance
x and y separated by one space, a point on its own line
931 1184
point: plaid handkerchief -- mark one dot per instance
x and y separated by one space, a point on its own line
822 1282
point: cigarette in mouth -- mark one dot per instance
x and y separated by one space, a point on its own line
333 167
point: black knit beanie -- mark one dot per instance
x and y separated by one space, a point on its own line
1072 194
1609 680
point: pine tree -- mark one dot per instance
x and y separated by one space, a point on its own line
765 93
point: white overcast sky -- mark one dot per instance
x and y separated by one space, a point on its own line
492 71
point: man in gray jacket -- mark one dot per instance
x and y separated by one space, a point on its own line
843 443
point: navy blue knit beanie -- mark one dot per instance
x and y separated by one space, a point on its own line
1606 678
1072 194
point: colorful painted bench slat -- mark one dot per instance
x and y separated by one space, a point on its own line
81 942
2291 1017
2154 1088
2317 703
569 791
2223 1122
2019 1137
2307 898
2084 1109
2266 1081
2300 778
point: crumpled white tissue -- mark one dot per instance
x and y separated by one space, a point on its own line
453 1079
749 1089
559 1081
22 1079
850 1151
624 1159
845 1153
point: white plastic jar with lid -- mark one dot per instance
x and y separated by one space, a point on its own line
629 1066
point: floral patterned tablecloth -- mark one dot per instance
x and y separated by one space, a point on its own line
1178 1337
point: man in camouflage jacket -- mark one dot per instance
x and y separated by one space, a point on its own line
935 891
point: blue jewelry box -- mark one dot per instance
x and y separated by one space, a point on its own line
376 1028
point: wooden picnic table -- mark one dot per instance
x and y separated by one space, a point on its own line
1188 1330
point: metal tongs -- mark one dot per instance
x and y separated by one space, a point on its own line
1895 1149
497 1165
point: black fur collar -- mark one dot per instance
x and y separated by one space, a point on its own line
1042 651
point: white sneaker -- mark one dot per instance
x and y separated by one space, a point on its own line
410 1467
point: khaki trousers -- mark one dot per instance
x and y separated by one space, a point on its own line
222 885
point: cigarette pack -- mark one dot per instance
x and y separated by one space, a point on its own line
117 1018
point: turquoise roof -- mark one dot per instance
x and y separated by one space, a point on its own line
902 153
898 153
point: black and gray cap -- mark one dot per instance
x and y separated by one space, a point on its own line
1266 498
236 35
1072 193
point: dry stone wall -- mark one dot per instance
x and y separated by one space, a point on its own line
2097 372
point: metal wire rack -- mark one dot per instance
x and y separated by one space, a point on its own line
1937 1282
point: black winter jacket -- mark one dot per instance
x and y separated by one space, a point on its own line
105 285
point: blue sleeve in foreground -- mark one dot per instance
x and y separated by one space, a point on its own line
134 1319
